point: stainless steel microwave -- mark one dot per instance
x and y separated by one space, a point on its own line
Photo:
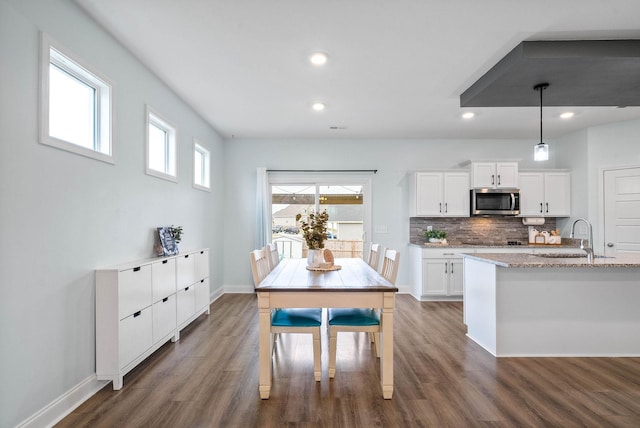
495 202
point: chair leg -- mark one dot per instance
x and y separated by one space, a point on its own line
376 341
317 368
372 338
333 336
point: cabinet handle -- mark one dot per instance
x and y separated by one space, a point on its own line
165 299
202 252
186 289
187 256
498 179
451 267
202 280
136 269
445 267
540 207
547 206
446 207
164 262
493 180
448 254
137 314
440 205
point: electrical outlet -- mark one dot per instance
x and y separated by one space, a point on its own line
429 228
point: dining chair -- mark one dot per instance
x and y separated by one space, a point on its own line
272 255
289 320
374 256
360 319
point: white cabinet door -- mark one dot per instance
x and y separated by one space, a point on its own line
135 336
163 277
531 194
428 194
164 317
202 294
435 277
201 264
456 277
557 191
456 194
185 270
186 304
484 175
134 290
507 175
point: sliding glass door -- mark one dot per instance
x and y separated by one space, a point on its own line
345 200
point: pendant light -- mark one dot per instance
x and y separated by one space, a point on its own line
541 150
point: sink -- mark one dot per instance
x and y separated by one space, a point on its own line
567 256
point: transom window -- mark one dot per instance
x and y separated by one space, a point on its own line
201 168
75 104
161 147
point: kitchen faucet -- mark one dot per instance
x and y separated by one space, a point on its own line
589 248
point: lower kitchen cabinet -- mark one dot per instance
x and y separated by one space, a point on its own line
437 274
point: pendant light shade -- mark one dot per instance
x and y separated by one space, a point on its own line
541 150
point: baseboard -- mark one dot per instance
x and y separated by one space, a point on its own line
65 404
239 289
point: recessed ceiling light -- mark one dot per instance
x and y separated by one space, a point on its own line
318 58
567 115
318 106
468 115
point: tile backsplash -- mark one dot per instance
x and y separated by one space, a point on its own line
476 230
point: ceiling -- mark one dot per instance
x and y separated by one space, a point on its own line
396 69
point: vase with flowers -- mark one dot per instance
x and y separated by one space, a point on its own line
314 230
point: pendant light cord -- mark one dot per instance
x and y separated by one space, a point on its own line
541 87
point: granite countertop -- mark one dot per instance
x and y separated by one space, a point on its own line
524 260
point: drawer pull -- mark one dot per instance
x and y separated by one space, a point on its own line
201 252
165 299
186 289
137 314
187 256
164 262
136 269
202 280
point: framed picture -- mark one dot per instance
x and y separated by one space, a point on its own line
167 245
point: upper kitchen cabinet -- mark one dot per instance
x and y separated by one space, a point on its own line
494 175
439 194
545 194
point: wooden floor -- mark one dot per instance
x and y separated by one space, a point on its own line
442 379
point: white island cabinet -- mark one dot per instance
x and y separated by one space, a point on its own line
524 305
139 307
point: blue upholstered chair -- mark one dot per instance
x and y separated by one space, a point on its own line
360 319
289 320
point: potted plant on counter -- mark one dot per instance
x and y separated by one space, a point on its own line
435 236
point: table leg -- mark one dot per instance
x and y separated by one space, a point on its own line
386 359
264 355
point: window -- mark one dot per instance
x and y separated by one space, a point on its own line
200 167
75 104
161 147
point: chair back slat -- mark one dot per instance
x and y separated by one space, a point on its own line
390 265
272 255
259 265
374 256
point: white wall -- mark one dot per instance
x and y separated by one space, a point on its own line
393 159
64 215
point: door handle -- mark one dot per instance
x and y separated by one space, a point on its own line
609 244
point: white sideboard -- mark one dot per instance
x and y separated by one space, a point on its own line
141 305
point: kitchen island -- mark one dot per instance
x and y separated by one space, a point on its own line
553 305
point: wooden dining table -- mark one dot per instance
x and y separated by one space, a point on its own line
355 285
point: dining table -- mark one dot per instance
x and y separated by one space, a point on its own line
350 283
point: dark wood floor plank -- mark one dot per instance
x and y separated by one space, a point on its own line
442 379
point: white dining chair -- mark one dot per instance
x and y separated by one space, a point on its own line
374 256
289 320
360 319
272 255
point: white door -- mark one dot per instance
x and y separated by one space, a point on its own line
622 211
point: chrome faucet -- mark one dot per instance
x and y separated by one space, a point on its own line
589 248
